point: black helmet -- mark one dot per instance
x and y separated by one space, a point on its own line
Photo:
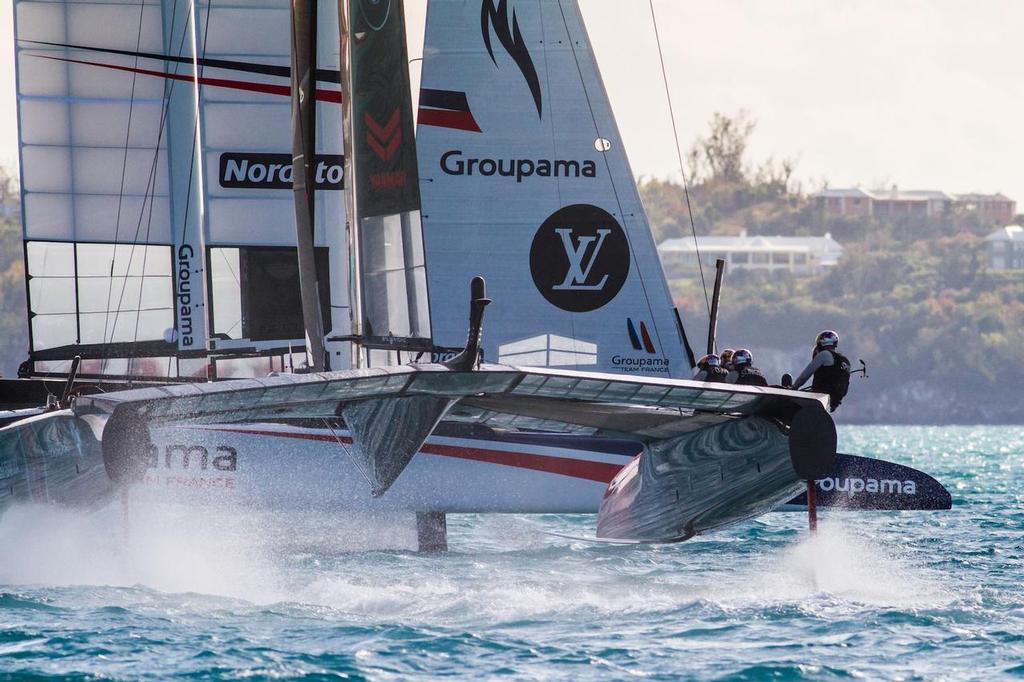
742 358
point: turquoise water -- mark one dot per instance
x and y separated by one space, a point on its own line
875 595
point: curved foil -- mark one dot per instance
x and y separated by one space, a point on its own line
693 483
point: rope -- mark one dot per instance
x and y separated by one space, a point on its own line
348 453
147 199
611 176
679 156
120 201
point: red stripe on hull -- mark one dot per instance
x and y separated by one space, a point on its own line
602 472
442 118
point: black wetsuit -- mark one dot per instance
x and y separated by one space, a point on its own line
833 379
751 376
712 374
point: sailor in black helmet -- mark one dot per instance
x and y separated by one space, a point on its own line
709 368
830 368
743 368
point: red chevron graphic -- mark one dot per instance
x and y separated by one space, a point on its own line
383 140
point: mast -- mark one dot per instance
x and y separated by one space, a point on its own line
303 171
351 223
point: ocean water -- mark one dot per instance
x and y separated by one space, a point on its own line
919 595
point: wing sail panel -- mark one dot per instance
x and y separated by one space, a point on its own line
526 181
162 127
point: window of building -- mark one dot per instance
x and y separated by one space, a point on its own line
780 258
740 258
800 259
758 258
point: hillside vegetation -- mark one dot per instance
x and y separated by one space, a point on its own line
13 326
940 332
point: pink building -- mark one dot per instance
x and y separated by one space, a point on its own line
991 208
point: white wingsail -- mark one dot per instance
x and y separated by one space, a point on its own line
525 181
94 179
156 172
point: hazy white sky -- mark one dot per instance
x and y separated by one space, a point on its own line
925 94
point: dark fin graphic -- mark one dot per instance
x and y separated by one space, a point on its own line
512 40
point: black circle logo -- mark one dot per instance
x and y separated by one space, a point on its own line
579 258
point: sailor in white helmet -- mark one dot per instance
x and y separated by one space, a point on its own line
709 368
829 367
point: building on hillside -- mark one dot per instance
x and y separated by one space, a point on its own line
798 255
845 202
1006 248
997 209
884 203
923 203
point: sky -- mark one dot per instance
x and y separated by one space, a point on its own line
921 94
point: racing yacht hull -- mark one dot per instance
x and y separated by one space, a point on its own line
459 469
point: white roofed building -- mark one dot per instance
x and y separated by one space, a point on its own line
798 255
1005 248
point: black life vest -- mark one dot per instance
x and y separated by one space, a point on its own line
833 379
715 374
751 376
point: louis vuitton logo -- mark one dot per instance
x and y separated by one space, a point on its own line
581 255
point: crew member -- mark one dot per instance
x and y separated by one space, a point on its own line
746 373
726 356
709 368
830 368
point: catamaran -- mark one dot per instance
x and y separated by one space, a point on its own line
230 191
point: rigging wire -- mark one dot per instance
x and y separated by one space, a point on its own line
151 188
148 198
120 202
679 155
238 281
348 453
124 168
607 163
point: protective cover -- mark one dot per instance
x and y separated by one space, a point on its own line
524 180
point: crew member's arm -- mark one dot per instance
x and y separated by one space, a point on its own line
732 376
701 375
822 359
